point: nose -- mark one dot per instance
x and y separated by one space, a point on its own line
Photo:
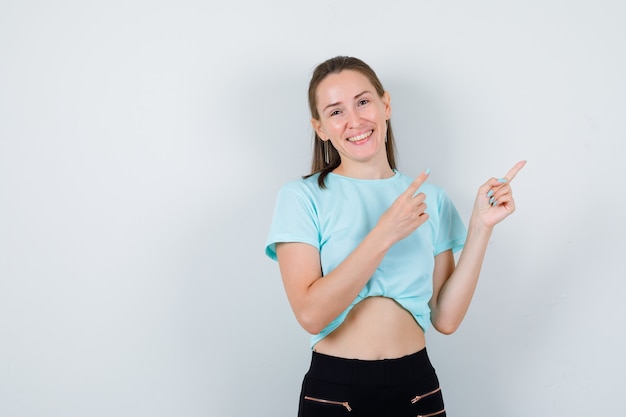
353 119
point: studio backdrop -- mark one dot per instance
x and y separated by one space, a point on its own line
142 145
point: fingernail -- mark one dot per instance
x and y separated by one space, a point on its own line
427 172
501 179
490 193
491 200
495 203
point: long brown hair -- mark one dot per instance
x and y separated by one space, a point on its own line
334 66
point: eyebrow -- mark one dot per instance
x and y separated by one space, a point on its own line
355 97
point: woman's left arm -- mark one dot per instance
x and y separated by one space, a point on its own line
453 287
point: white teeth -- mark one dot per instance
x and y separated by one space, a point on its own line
360 137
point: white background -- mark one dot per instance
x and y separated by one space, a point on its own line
142 144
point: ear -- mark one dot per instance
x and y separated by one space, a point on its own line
387 102
317 126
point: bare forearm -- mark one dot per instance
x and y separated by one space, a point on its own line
331 295
318 300
494 202
456 294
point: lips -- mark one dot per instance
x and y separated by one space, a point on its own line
361 136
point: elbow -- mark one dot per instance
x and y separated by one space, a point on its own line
310 323
447 330
446 327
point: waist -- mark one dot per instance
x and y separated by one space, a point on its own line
358 371
376 328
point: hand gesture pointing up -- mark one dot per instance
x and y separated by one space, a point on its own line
494 201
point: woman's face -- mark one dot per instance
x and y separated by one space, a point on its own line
353 117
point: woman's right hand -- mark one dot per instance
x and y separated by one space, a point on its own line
316 302
406 213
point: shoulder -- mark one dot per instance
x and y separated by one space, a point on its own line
301 192
305 186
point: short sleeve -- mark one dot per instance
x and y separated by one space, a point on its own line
451 232
295 219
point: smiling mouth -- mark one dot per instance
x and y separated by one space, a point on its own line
361 136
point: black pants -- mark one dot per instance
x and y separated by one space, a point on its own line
406 386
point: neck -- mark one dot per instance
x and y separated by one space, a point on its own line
365 171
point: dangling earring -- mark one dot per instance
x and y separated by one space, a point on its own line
387 131
326 158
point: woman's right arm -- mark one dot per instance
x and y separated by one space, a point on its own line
316 302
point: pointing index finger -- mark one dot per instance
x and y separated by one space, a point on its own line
417 183
513 172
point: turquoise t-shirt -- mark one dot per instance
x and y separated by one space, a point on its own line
336 219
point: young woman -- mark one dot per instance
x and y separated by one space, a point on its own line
366 255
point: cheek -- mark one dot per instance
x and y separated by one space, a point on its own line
375 113
333 126
384 112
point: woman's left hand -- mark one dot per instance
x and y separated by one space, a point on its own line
494 201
